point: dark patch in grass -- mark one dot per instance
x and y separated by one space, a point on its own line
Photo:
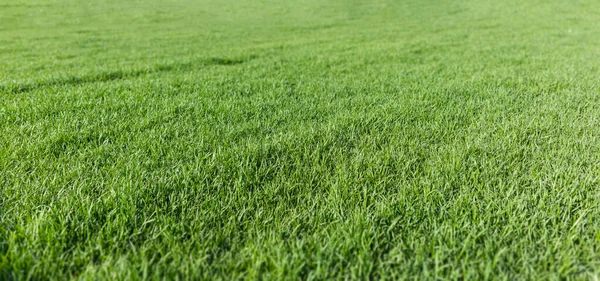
227 61
316 27
120 74
73 80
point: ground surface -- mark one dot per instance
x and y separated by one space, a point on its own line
304 139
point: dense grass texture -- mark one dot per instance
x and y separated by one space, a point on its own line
293 140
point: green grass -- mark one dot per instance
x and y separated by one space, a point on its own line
309 139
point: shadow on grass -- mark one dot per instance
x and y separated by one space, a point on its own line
121 74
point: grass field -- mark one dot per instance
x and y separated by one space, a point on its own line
292 140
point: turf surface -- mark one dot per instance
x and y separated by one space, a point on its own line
309 139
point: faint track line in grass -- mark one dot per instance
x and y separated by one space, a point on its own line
120 74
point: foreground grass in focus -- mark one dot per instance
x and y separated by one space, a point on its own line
299 140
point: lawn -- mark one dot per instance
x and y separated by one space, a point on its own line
293 140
